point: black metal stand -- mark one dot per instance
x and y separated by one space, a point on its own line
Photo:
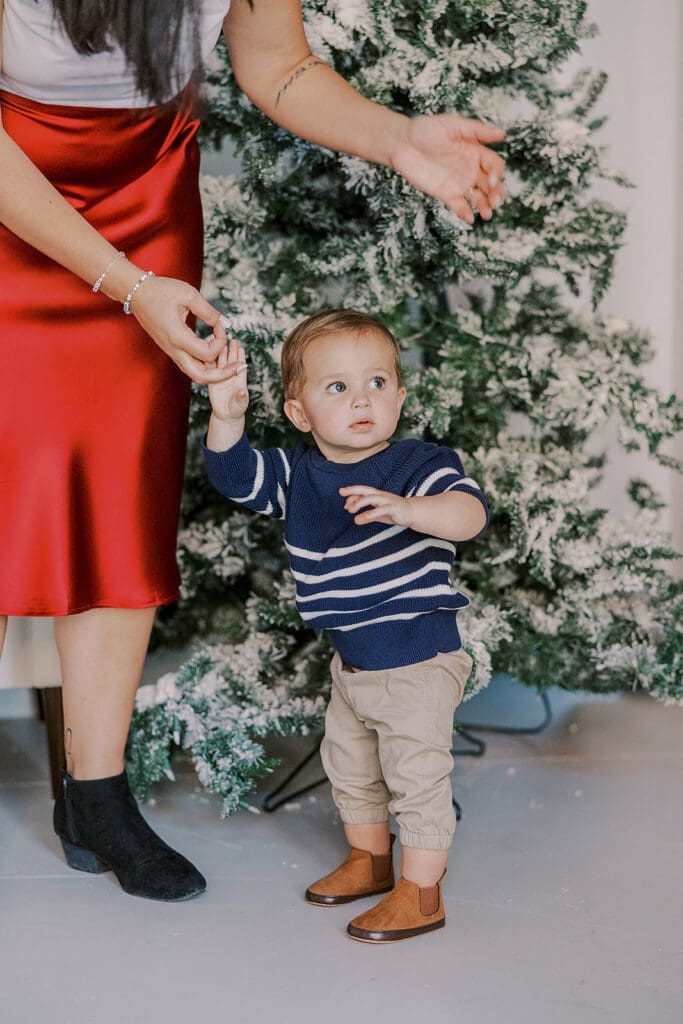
273 800
478 747
271 804
465 731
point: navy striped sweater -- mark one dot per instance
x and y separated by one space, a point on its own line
382 592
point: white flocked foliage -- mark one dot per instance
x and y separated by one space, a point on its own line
510 362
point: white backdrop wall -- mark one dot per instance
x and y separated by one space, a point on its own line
640 46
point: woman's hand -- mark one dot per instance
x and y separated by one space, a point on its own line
445 156
162 306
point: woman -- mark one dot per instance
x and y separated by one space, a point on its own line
99 206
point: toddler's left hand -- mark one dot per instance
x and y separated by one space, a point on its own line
389 508
230 398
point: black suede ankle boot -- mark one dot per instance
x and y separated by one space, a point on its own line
101 829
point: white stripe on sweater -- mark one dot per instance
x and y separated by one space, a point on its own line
317 556
259 511
465 481
281 501
399 581
395 556
392 618
443 588
285 463
258 477
436 475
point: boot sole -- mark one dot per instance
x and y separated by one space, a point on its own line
314 900
377 938
80 859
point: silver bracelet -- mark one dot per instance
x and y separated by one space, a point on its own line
98 283
131 293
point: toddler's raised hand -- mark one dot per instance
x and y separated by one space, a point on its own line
230 398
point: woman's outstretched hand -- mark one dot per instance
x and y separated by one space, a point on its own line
162 306
446 156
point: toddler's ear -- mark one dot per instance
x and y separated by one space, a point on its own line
294 412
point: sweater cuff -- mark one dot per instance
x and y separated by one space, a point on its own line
231 465
208 451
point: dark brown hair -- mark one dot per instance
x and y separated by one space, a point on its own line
151 34
321 325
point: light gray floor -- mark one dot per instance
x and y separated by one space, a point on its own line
564 894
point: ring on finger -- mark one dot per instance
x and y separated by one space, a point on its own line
469 199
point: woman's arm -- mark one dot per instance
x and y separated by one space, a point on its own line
35 211
443 155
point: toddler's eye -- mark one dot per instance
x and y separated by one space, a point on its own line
336 387
378 383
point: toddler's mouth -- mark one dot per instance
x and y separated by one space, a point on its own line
362 423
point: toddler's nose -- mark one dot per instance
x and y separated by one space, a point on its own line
360 400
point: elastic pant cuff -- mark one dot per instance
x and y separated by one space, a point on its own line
366 816
422 842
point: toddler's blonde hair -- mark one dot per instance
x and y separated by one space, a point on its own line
321 325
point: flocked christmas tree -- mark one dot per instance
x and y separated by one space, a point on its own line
511 364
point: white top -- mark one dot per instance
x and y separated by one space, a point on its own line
40 63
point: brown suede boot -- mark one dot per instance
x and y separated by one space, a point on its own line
405 912
361 874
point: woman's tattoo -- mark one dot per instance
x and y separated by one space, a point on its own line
68 736
297 74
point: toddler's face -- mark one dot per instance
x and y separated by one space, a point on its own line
350 401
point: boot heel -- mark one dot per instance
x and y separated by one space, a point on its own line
83 860
110 834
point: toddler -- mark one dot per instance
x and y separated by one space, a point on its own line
370 529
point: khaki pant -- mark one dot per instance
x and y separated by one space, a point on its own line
387 745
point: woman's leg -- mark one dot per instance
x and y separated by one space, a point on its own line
102 652
98 821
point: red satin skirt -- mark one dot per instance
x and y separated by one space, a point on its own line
93 415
